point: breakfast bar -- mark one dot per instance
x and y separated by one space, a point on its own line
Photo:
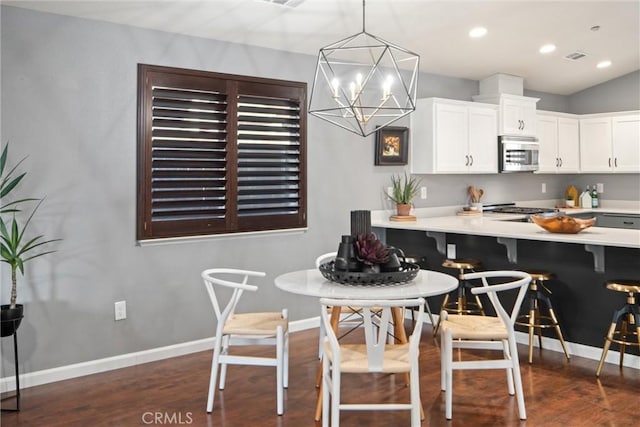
582 262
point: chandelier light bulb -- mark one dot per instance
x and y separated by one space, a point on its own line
335 83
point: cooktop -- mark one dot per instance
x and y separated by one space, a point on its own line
513 209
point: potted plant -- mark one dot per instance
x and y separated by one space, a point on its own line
402 193
15 248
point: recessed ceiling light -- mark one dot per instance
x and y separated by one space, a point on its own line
603 64
477 32
548 48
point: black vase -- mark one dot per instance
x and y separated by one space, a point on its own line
346 256
10 319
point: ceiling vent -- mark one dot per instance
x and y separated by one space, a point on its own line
287 3
574 56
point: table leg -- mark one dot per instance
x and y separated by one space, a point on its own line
335 319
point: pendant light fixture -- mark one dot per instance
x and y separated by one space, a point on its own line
364 82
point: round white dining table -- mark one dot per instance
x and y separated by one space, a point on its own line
311 283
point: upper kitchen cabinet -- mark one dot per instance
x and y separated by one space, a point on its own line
559 142
449 136
610 142
517 114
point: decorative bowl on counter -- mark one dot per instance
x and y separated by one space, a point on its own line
562 223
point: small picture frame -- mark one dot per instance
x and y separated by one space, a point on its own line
392 146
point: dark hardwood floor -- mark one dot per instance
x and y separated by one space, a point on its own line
174 391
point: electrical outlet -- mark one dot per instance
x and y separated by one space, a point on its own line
600 187
451 251
121 310
423 193
544 187
390 191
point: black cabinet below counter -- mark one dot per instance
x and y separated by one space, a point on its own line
584 306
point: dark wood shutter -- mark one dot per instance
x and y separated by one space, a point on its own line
218 155
270 148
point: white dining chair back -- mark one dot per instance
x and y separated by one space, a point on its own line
350 317
237 329
376 355
485 332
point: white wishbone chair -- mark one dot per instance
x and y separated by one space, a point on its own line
485 332
245 329
376 355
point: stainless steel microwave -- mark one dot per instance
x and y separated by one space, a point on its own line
518 154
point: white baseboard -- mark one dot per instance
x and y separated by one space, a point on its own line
553 344
76 370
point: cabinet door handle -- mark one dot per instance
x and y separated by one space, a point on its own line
609 161
557 162
627 222
560 161
523 125
466 160
471 164
615 162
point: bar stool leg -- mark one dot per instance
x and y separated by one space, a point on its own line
552 314
532 322
605 349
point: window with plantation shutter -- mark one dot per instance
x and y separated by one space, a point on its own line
219 154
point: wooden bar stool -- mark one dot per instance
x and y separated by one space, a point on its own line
628 317
461 305
534 320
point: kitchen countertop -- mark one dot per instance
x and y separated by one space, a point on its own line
594 239
495 225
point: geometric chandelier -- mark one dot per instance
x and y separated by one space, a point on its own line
364 82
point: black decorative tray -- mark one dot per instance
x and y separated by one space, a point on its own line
407 273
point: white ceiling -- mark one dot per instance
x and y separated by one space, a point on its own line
436 30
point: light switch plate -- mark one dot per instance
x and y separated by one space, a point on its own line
423 192
120 310
451 251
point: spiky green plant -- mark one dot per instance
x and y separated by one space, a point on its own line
403 190
8 182
16 249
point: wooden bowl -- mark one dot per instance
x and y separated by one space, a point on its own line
562 223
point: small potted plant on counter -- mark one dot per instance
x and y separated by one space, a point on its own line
402 193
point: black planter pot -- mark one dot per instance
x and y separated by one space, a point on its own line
10 319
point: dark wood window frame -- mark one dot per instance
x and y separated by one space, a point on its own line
219 153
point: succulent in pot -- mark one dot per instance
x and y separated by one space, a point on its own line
371 251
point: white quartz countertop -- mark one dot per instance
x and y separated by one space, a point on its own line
492 224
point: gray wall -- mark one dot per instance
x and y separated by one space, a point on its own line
69 104
621 94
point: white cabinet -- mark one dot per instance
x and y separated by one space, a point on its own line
626 143
449 136
610 143
559 141
517 113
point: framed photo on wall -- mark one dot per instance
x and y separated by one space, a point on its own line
392 146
